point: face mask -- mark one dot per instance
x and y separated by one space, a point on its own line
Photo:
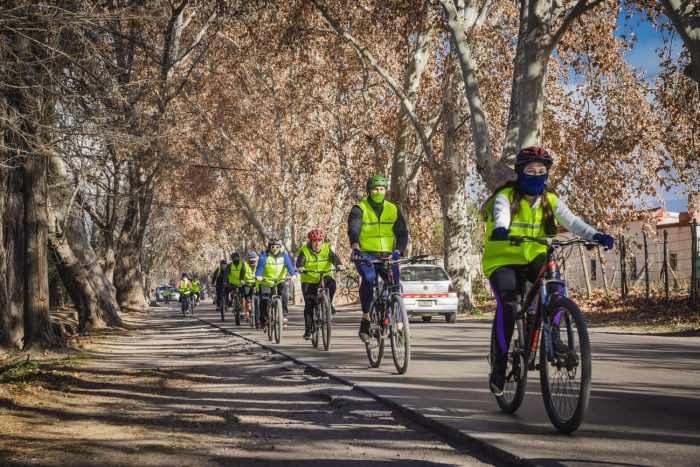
532 184
377 197
275 249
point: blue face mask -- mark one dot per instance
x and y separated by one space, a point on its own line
532 184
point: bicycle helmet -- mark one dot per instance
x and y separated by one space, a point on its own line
235 255
195 276
316 234
252 255
274 241
532 154
184 275
377 180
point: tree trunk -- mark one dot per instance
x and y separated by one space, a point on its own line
13 252
685 16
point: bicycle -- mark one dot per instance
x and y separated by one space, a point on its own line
224 303
544 314
185 303
236 305
194 300
254 317
274 321
388 317
322 313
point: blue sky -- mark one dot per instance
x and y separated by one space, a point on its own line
644 56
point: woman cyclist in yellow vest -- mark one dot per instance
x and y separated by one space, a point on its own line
522 207
272 266
233 275
248 282
376 230
315 255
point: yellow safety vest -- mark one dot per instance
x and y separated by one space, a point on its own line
315 262
528 221
274 269
185 286
234 273
377 234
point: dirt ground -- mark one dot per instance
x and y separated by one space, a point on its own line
175 392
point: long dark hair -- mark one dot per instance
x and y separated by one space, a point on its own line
550 227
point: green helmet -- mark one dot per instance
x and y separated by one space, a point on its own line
377 180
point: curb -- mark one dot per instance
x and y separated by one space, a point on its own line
492 453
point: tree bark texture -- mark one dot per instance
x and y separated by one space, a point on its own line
685 16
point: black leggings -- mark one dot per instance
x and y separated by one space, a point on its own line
309 292
506 281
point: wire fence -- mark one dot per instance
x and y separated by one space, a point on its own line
664 265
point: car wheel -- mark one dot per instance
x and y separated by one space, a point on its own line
427 318
451 317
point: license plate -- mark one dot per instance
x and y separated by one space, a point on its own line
425 303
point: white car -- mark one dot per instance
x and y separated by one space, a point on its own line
428 291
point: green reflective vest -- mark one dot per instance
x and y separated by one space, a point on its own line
315 262
185 286
249 276
195 286
377 234
234 273
528 222
274 269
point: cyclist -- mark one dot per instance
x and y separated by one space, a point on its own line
271 268
315 255
184 286
523 207
233 274
376 230
249 285
167 294
196 287
217 278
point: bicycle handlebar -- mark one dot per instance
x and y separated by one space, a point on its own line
389 261
305 271
517 240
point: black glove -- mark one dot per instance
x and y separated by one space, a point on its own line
605 239
355 254
500 233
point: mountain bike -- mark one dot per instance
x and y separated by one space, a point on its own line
224 303
546 314
194 300
236 304
254 317
185 303
322 312
388 316
275 318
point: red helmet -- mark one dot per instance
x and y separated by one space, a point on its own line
316 234
533 154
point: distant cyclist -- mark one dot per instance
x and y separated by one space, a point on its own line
248 281
196 287
524 207
217 278
184 286
315 255
233 274
376 230
272 266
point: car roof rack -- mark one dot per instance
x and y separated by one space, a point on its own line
429 260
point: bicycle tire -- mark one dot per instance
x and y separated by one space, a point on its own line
400 334
516 374
254 312
270 320
316 318
237 308
278 320
375 346
325 312
183 305
224 306
566 402
193 304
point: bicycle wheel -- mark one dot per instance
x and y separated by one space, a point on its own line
237 308
183 305
254 312
193 304
375 345
224 306
400 334
566 380
316 326
516 373
278 320
270 322
325 313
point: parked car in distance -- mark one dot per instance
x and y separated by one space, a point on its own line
428 291
174 294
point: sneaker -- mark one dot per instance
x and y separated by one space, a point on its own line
560 348
497 378
284 320
261 325
307 335
364 330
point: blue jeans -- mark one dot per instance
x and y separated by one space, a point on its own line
368 273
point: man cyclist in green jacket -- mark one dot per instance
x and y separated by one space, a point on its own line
376 230
316 256
249 284
273 264
233 274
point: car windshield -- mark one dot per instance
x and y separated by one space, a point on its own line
423 274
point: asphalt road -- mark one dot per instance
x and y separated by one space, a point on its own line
645 397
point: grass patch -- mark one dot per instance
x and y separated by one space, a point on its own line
73 361
18 372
